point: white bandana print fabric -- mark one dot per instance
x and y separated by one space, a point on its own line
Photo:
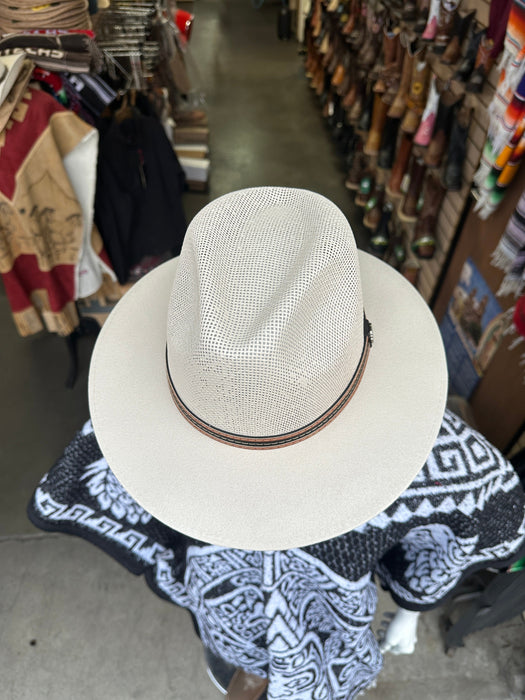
302 617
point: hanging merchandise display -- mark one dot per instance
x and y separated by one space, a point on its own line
406 84
47 186
505 146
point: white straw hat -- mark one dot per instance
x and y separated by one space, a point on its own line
235 390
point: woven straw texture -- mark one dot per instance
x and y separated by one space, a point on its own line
265 327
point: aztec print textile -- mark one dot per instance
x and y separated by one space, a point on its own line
302 617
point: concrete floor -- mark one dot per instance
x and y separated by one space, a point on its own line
73 624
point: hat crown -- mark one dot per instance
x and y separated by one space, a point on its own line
265 319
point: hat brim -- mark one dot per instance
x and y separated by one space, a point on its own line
271 499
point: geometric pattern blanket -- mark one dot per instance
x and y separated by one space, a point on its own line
302 617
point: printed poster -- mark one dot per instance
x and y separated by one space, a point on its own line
471 329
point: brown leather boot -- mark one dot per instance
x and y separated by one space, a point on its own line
408 211
357 171
398 106
417 95
424 242
374 208
393 188
392 76
447 15
461 26
389 59
377 125
351 95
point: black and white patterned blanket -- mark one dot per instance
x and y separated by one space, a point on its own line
302 616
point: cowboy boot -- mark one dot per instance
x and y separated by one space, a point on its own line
461 27
409 13
417 95
357 171
437 146
447 15
387 151
408 211
396 253
375 132
482 65
374 208
432 22
424 242
365 191
398 106
393 188
422 16
452 178
391 48
356 110
380 240
426 125
351 95
392 76
367 57
353 18
365 118
466 66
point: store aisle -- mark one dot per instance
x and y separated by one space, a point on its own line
74 625
265 122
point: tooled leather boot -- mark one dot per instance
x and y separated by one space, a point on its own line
457 148
447 14
392 76
482 65
393 188
417 95
422 16
437 146
377 125
459 32
424 242
390 63
408 212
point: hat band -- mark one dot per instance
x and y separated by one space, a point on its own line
274 441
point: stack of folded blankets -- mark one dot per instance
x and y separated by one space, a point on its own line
58 14
74 51
191 137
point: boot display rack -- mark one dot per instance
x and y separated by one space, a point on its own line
404 88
